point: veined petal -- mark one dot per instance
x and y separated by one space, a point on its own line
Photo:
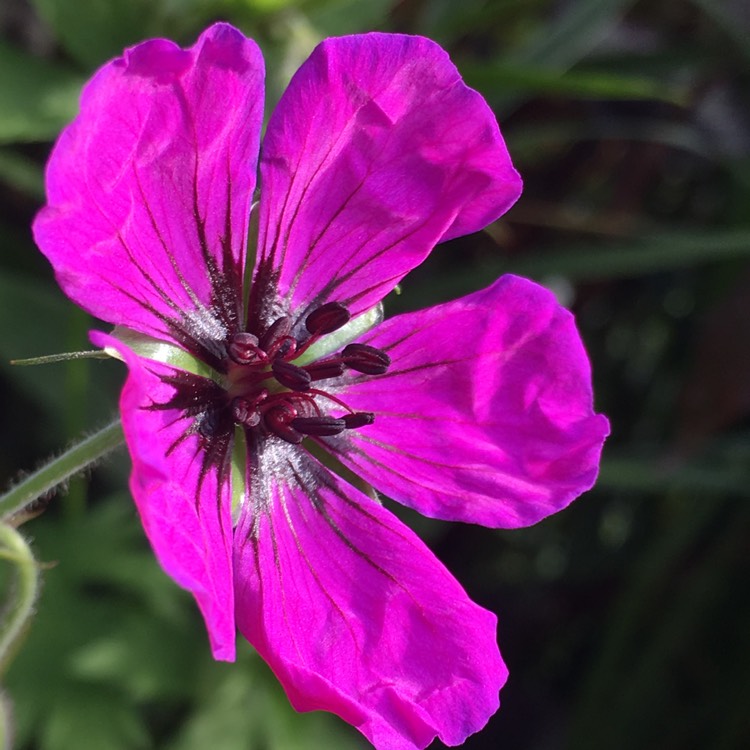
149 188
355 615
486 412
376 152
182 492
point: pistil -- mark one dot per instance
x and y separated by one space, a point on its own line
274 396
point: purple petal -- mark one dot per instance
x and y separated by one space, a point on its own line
149 188
376 152
355 615
486 412
185 510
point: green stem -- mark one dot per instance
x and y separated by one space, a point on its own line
66 357
17 611
14 549
81 456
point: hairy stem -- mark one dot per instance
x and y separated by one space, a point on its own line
16 611
58 470
23 591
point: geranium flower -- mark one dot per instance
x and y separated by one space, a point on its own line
261 381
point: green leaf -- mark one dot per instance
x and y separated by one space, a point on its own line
336 17
111 630
22 173
142 655
578 29
501 78
36 98
666 251
636 257
647 665
93 31
446 21
636 474
261 6
95 717
534 143
242 705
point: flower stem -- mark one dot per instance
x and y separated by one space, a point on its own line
17 611
14 549
81 456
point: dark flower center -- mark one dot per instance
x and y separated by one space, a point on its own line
271 395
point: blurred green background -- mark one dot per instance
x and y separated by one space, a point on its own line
625 619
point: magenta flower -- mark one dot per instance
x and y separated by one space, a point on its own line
261 381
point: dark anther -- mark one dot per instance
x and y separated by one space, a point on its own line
320 426
358 419
291 376
245 412
278 421
324 370
366 359
327 318
243 348
285 346
279 329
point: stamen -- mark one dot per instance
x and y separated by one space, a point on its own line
358 419
283 347
291 376
278 421
279 329
320 426
325 369
244 350
327 318
293 408
303 402
366 359
323 394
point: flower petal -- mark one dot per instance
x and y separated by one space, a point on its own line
149 188
355 615
376 152
486 412
184 505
